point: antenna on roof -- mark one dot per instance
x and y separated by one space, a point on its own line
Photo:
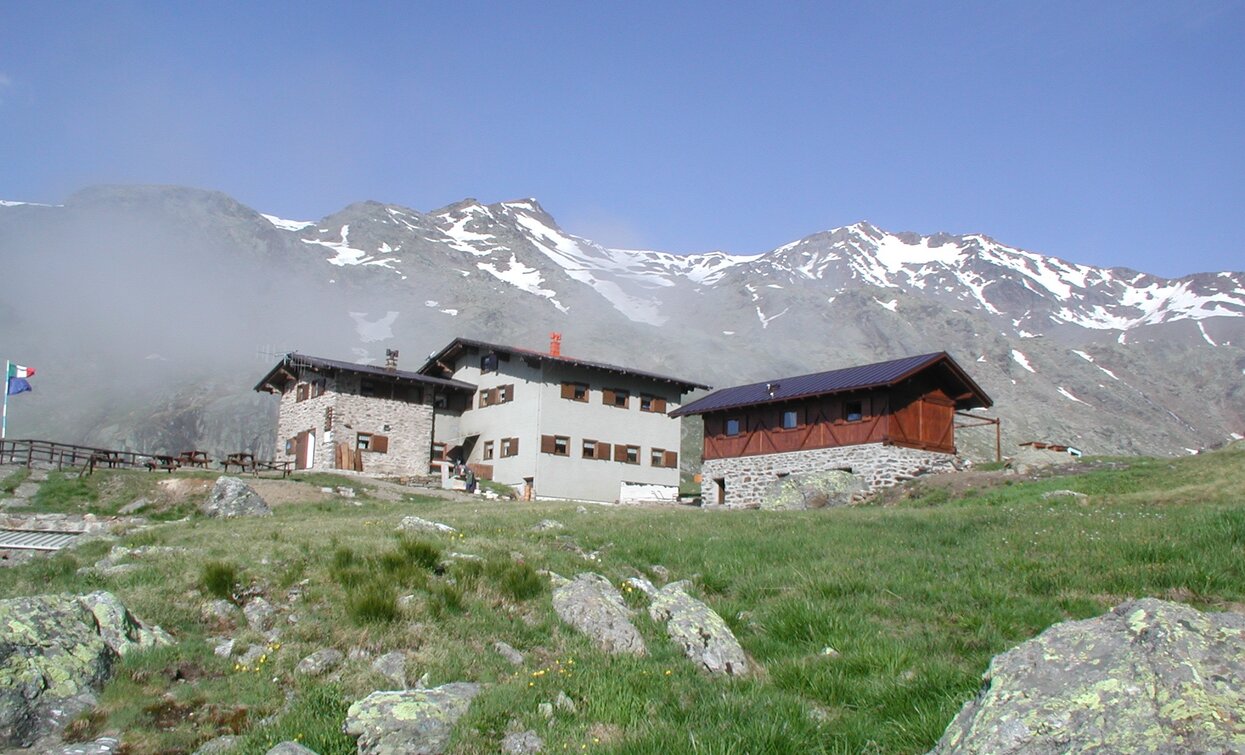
555 344
268 352
772 388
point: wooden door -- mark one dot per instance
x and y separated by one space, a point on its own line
302 446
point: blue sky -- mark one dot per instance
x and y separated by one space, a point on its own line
1102 132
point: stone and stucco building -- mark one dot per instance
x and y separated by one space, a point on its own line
878 423
546 425
341 415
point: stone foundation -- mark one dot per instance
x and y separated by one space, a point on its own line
758 481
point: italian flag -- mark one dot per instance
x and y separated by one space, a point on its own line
18 371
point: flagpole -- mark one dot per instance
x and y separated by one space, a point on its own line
4 415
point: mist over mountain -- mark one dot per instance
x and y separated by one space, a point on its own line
151 311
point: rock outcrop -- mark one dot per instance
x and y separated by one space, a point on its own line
231 497
699 630
409 722
55 652
592 605
1148 677
419 524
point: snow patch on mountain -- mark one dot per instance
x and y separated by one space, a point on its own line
522 277
1068 395
1019 358
379 329
288 225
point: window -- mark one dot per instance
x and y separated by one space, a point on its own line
500 395
790 419
627 454
488 362
558 445
660 457
372 442
853 411
616 397
367 388
328 419
575 391
732 427
302 392
509 447
589 449
487 454
652 404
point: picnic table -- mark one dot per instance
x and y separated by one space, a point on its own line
243 461
167 463
284 467
194 459
110 459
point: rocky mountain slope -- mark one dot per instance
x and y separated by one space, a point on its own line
152 308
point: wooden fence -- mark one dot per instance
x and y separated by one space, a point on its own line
61 455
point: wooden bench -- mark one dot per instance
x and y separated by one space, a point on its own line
110 459
194 459
284 467
243 461
167 463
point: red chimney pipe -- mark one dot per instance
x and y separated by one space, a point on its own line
555 344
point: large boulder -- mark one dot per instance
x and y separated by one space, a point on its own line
56 651
592 605
231 497
409 722
699 630
817 490
419 524
1148 677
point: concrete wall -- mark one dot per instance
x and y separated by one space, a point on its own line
751 481
407 425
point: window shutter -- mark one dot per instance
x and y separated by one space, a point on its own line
380 444
568 390
493 396
507 392
514 446
546 444
659 405
672 459
620 452
603 451
607 396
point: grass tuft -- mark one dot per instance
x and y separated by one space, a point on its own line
220 579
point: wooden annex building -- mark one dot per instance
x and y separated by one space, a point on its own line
862 419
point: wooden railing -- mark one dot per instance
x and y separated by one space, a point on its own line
28 452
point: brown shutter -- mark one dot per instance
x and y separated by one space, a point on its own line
607 396
493 396
514 446
672 459
620 452
603 451
568 390
507 392
546 444
380 444
659 405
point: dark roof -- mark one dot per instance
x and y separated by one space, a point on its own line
458 345
864 377
295 360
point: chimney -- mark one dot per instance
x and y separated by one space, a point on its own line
391 360
555 344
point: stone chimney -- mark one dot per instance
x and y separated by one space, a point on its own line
391 360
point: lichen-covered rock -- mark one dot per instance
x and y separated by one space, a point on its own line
1148 677
699 630
217 746
259 614
231 497
319 662
55 651
118 627
101 746
592 605
514 657
547 525
392 666
409 722
522 743
416 524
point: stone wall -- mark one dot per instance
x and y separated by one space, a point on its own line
755 481
407 425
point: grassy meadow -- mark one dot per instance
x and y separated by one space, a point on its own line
869 626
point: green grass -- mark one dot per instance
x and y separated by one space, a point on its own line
10 482
870 626
105 492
